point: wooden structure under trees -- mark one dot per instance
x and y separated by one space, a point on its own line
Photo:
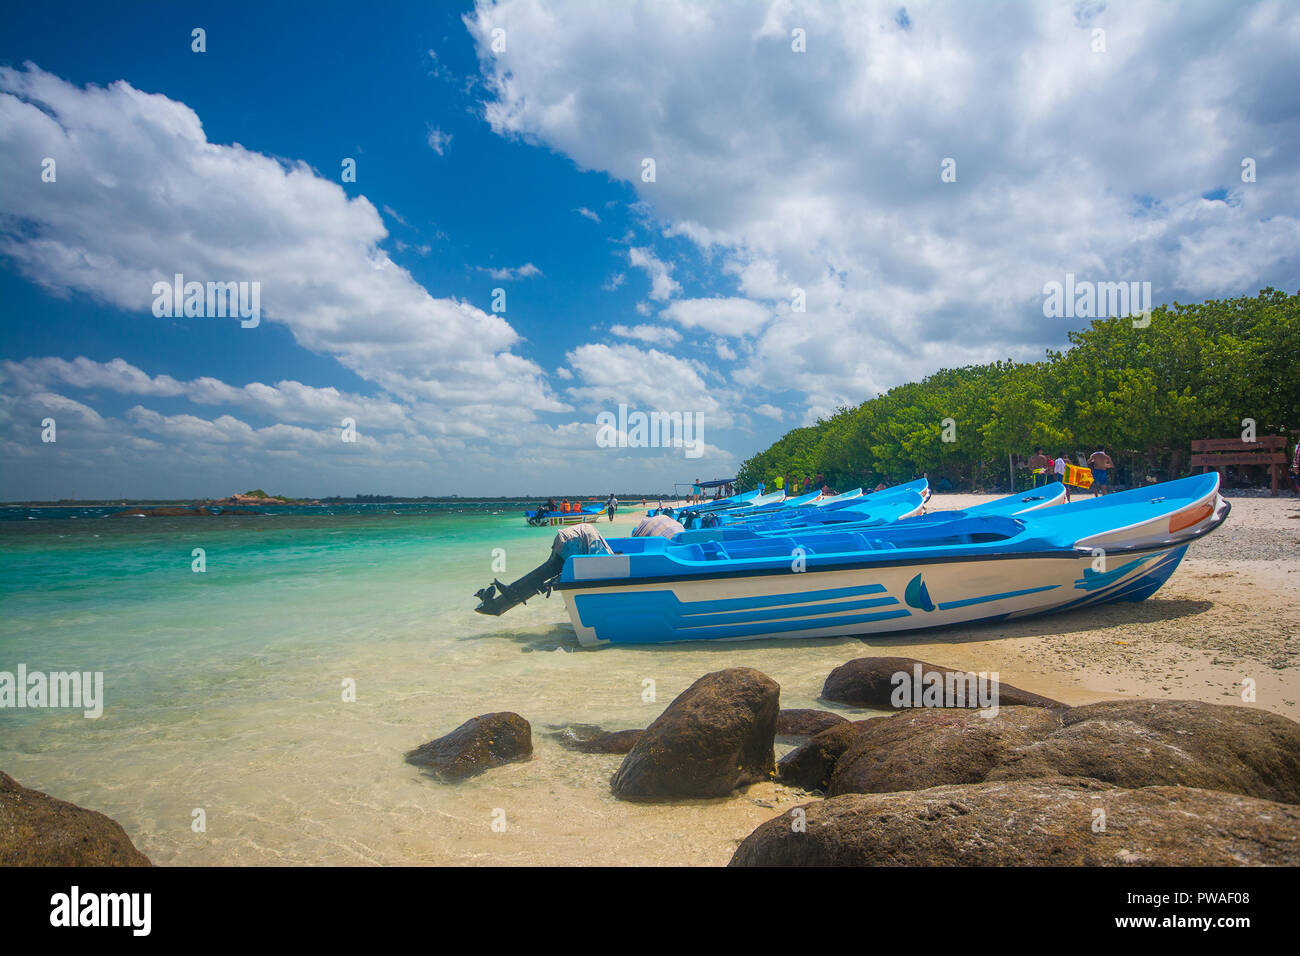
1218 453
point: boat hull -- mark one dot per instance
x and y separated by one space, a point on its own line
558 520
878 599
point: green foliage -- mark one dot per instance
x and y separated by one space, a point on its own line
1145 393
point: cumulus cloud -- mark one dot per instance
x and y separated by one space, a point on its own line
822 171
654 334
644 379
662 285
225 213
526 271
285 401
725 316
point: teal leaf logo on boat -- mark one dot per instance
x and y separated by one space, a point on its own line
1092 579
917 595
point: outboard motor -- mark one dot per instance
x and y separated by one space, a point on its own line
497 598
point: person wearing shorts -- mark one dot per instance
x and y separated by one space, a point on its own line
1101 465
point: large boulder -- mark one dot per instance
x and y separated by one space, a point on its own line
870 682
38 830
798 722
1138 743
1144 743
590 739
927 748
1030 823
718 735
481 742
810 765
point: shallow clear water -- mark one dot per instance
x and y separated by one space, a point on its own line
223 690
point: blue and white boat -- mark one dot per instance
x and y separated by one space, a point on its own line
542 518
916 573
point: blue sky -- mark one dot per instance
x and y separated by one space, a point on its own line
521 169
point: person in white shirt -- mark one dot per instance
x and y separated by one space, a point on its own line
1058 470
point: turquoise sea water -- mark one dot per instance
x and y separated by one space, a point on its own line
223 689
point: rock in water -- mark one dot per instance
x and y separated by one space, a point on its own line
870 682
1030 823
810 765
476 745
716 736
805 723
590 739
38 830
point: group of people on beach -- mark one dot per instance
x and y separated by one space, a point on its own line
1056 469
697 492
565 507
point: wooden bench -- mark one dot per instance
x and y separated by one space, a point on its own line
1218 453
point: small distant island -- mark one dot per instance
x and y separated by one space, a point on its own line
256 497
236 504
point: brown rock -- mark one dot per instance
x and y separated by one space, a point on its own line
589 739
805 723
1128 743
1031 823
810 765
926 748
476 745
870 682
1144 743
716 736
38 830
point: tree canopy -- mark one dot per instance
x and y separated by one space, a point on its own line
1145 392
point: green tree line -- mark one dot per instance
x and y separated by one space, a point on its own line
1145 392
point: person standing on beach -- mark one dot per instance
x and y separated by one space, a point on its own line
1295 469
611 506
1058 474
1038 464
1101 464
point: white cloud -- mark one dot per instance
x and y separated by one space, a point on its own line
285 401
770 411
645 379
438 140
216 212
821 170
526 271
654 334
725 316
662 285
587 214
